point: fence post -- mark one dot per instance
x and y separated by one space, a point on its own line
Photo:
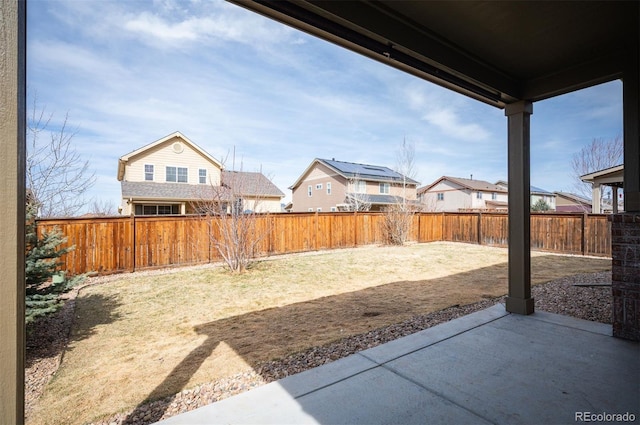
479 228
583 244
133 243
355 228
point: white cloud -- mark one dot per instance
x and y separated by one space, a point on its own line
450 124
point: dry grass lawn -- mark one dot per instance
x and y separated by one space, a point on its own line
144 337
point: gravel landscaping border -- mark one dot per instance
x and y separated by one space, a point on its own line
585 296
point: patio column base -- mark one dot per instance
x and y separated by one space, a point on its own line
520 305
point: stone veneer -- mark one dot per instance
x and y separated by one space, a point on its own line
625 276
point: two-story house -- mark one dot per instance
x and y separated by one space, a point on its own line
460 194
329 185
173 175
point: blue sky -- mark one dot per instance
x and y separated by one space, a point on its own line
131 72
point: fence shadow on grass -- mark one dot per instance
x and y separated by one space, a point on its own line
296 327
43 340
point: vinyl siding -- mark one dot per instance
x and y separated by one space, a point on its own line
163 155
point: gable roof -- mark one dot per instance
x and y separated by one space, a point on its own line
612 176
247 184
122 161
471 184
573 198
350 170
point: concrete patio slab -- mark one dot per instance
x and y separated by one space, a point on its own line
487 367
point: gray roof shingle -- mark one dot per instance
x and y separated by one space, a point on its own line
247 184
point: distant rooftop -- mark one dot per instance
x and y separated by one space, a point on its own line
366 171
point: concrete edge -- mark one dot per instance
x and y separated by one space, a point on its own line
573 322
406 345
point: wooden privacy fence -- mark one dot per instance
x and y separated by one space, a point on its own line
125 244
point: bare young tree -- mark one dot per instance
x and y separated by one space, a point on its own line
598 155
356 197
237 221
101 207
57 177
398 216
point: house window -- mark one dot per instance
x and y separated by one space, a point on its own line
440 196
328 188
202 176
310 210
319 209
141 209
479 195
148 172
333 209
319 186
384 188
309 192
494 196
182 175
177 174
360 186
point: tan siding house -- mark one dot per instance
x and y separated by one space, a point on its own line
330 185
459 194
172 174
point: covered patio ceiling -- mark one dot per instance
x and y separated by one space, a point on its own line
496 52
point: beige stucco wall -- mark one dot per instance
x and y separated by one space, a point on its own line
163 155
319 174
320 199
12 210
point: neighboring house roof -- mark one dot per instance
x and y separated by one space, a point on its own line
539 191
573 198
612 176
351 170
248 184
122 161
475 185
170 191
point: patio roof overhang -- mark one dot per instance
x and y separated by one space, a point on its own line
496 52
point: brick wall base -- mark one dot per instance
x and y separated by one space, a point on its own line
625 275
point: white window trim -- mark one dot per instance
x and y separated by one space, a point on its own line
319 186
153 172
199 176
328 188
309 191
177 167
384 188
